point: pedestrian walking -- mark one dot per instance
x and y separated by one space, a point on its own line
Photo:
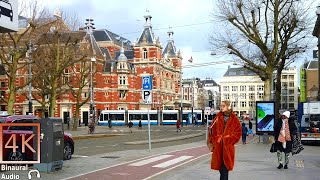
110 123
130 124
285 130
244 133
178 124
250 128
140 124
224 133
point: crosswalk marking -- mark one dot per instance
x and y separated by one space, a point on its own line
299 163
150 160
173 161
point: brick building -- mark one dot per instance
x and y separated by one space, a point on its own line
118 74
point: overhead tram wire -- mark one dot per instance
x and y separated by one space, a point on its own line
207 64
166 28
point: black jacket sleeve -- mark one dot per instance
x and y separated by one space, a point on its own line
277 128
292 127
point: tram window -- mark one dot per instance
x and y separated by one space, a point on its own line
105 117
154 116
170 116
185 116
198 116
117 117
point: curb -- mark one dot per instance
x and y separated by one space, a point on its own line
164 140
94 136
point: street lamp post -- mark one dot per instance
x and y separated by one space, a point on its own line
29 52
89 27
92 110
181 97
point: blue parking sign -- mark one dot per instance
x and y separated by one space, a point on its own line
147 82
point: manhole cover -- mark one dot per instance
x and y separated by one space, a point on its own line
110 157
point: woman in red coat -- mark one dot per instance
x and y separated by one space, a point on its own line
224 133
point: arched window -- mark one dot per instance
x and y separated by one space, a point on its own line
145 53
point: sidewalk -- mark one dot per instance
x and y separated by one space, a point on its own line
253 161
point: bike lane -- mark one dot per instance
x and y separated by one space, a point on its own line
146 167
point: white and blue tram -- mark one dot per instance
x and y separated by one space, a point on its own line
164 117
117 117
136 115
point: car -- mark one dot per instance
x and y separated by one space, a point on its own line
6 9
68 141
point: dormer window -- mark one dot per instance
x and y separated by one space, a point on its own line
145 53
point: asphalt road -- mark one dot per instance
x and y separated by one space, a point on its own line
88 147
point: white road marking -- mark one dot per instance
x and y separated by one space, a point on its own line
173 161
151 160
83 148
78 156
169 169
99 146
141 159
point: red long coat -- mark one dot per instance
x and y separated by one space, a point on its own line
226 139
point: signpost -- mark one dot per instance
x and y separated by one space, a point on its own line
8 16
207 112
147 99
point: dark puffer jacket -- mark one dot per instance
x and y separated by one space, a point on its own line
293 131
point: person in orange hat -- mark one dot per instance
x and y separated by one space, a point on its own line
225 131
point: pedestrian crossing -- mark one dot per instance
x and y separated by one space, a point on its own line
170 160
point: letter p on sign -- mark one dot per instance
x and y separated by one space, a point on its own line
147 97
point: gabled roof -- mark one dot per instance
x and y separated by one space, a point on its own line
147 36
312 65
209 81
106 35
170 49
239 72
128 53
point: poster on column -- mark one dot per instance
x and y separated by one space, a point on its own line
265 117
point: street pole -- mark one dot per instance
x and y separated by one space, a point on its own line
30 77
181 97
207 127
89 26
192 104
149 134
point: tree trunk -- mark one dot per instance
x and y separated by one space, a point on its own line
53 99
12 93
76 117
277 97
267 90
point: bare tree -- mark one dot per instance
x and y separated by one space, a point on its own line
13 50
264 35
55 53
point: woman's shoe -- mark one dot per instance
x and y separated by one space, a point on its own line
280 166
285 167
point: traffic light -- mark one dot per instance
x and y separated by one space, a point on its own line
210 103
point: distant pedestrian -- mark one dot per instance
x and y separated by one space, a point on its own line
224 133
140 124
244 133
285 130
130 126
109 123
250 128
178 124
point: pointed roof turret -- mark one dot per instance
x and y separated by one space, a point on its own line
147 37
170 48
122 57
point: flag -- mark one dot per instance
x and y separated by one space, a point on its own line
191 59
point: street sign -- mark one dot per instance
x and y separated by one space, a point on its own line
8 15
146 82
147 97
207 110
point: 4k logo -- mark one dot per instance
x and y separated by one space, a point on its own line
19 142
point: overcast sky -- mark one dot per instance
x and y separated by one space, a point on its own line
190 20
